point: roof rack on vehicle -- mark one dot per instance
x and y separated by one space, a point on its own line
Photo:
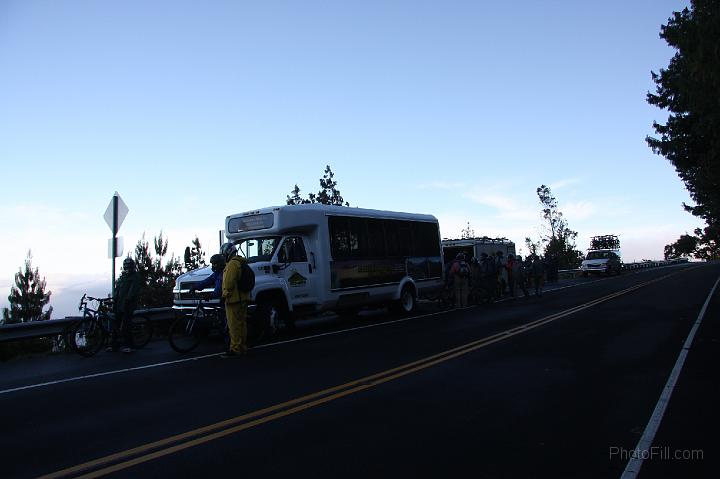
604 242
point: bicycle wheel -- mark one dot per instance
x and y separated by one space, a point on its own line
88 337
186 332
141 331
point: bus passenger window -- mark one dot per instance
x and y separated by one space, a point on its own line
339 245
375 239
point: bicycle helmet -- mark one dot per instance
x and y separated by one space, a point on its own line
217 262
228 251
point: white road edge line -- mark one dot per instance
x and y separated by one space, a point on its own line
278 343
196 358
636 461
106 373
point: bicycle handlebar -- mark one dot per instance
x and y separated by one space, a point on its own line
99 300
85 298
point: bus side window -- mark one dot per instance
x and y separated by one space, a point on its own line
392 239
339 237
375 239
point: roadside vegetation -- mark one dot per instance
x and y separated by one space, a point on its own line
689 89
28 298
557 240
328 194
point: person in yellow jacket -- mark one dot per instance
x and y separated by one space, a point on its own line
236 302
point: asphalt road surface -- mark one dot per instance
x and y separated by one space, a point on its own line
562 385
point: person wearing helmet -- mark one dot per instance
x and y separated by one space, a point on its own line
236 301
217 264
460 272
127 289
520 274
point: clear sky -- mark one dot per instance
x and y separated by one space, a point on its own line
196 110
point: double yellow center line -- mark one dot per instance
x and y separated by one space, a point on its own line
170 445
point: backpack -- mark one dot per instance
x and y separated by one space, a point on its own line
247 278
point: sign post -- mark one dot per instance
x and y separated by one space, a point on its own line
114 216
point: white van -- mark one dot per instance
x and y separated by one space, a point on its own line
313 258
602 261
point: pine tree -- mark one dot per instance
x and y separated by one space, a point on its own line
194 256
28 297
328 194
295 199
467 232
158 279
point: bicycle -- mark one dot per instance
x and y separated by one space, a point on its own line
91 333
208 320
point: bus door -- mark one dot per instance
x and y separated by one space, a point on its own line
297 270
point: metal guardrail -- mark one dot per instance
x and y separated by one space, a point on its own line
651 264
630 266
54 327
36 329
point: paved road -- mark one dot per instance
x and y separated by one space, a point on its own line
557 386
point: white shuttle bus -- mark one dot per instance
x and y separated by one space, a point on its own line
474 247
313 258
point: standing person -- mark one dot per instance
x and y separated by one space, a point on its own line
476 281
489 276
127 290
538 273
502 272
217 264
519 274
236 301
449 289
460 272
510 277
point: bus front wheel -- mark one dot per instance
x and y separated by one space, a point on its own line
274 313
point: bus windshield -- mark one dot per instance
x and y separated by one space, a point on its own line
258 249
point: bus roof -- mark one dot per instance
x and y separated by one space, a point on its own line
469 241
289 217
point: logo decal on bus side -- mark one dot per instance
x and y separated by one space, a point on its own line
296 279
